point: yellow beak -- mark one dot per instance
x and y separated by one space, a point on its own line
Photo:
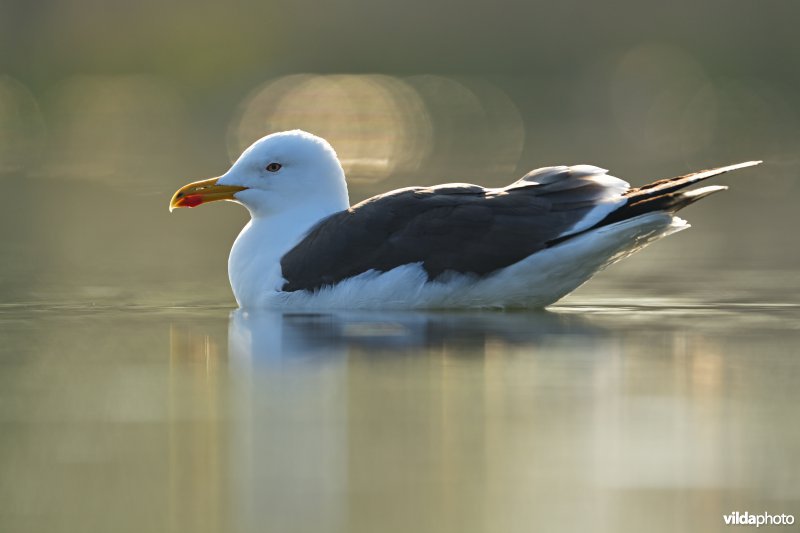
202 192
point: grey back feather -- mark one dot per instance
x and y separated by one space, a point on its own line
455 227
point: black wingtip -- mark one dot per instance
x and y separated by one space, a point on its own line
669 185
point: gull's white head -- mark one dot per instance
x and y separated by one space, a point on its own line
278 172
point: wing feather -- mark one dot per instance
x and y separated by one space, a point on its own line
455 227
468 229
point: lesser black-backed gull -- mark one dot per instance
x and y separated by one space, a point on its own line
449 246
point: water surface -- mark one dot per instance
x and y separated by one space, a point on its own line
613 414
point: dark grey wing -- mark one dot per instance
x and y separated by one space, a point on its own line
468 229
452 228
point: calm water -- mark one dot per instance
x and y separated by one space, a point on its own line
656 413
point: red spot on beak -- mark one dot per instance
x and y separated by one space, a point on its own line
193 200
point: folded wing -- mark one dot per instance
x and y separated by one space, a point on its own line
469 229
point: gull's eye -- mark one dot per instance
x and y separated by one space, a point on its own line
274 167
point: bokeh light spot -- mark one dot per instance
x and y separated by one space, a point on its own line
377 124
479 133
663 101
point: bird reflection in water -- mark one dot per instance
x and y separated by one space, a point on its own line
346 412
272 335
435 421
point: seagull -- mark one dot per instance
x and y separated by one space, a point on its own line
456 245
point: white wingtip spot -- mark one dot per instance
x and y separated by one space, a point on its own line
704 191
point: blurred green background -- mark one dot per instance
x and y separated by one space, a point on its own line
106 107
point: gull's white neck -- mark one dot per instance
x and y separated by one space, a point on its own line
254 267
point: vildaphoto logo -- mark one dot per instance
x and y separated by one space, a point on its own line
764 519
